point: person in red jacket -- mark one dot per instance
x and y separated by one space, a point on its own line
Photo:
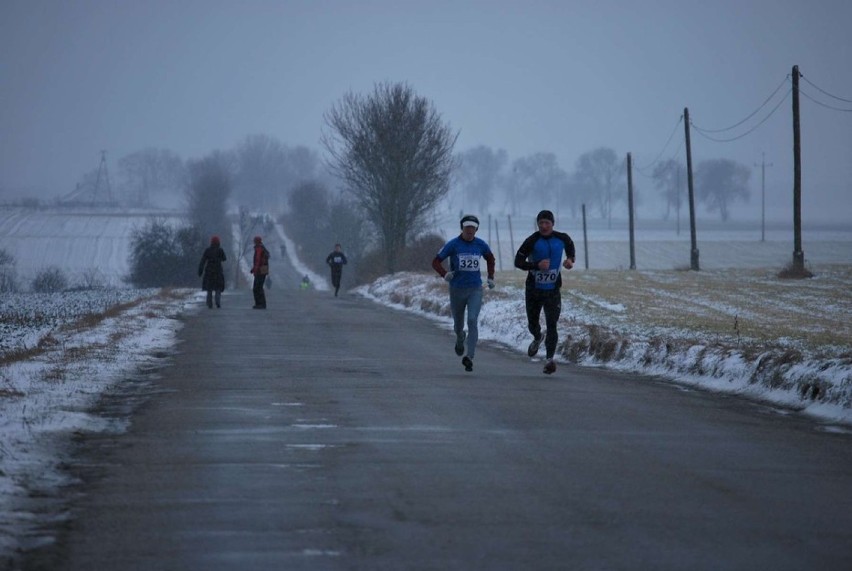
260 269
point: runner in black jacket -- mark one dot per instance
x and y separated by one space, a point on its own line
336 259
541 255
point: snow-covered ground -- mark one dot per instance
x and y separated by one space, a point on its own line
593 333
79 241
60 353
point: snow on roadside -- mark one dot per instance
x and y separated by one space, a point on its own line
46 397
817 385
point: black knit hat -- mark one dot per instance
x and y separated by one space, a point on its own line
545 215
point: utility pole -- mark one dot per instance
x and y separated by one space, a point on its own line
798 254
677 198
630 210
693 258
102 168
585 240
763 166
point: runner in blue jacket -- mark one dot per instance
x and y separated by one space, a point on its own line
541 256
464 252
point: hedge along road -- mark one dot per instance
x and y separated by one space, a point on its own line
330 433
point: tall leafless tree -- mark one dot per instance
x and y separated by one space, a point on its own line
720 182
395 154
600 171
207 194
479 174
151 171
538 181
669 182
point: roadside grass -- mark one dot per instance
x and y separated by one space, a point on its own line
739 307
746 331
50 345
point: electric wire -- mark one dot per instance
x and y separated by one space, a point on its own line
823 91
663 150
703 132
752 114
826 105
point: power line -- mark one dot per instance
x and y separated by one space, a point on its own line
703 132
824 91
826 105
669 140
752 114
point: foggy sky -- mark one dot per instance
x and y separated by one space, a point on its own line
566 77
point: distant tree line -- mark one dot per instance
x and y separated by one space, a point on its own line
486 181
47 280
390 164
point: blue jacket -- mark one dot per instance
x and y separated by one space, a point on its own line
537 248
464 261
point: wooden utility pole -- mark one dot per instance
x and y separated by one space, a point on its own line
677 201
693 259
630 210
763 166
497 233
585 240
798 254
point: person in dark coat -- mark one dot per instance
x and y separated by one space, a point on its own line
336 259
210 267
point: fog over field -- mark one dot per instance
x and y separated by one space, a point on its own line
192 77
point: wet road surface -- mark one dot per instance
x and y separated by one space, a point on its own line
332 433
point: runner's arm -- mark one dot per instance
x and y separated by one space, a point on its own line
523 253
436 264
489 261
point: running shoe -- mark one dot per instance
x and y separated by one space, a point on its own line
460 343
549 367
468 363
533 348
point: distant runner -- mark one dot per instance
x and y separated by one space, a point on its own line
540 255
465 282
336 259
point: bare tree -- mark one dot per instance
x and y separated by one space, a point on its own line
539 178
50 280
151 171
267 171
396 156
8 277
478 175
719 182
600 170
207 194
668 180
260 173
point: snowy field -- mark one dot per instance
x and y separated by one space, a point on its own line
61 353
76 240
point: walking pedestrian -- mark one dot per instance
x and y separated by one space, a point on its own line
336 259
210 267
541 256
260 269
465 283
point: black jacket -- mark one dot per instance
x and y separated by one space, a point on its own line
211 267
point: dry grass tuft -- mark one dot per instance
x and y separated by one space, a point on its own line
794 272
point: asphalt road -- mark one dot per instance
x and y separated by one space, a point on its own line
332 433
